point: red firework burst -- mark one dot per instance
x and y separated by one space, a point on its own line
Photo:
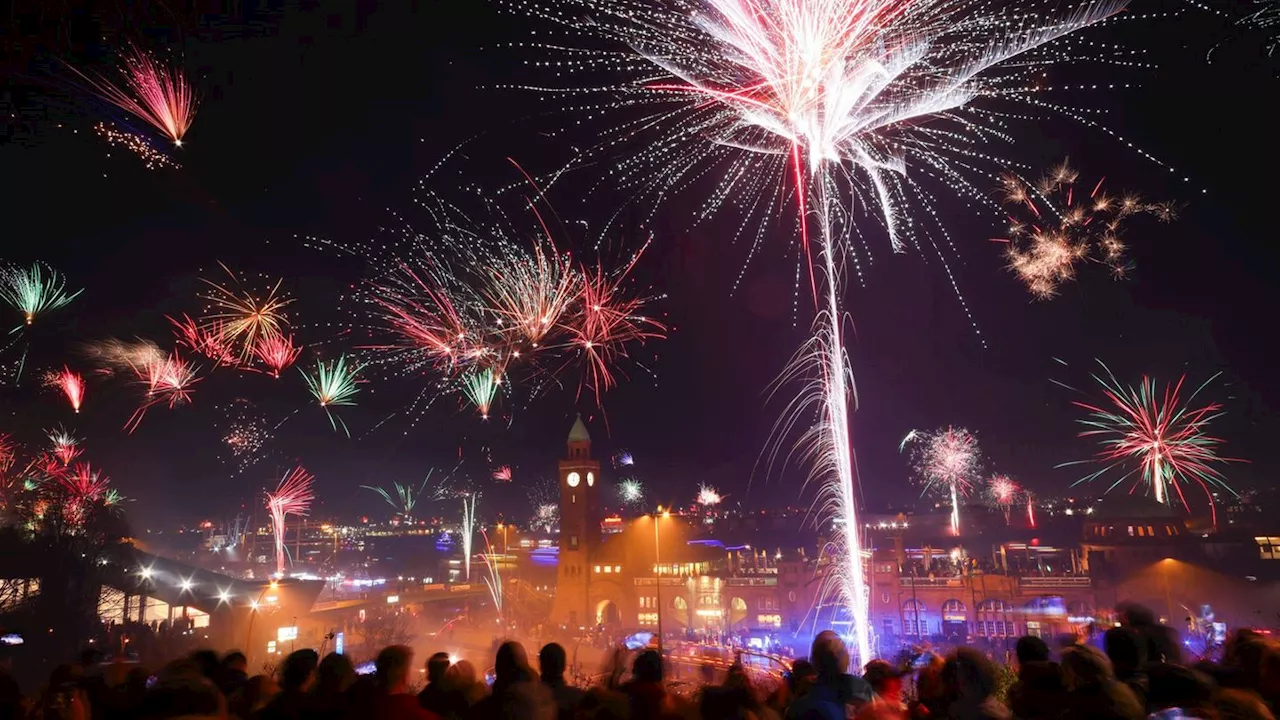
70 383
293 496
277 352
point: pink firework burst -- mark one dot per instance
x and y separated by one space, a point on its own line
70 383
708 497
153 92
169 381
64 446
608 322
277 352
83 483
947 462
293 496
1002 492
503 474
207 340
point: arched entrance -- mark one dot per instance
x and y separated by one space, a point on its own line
607 613
737 611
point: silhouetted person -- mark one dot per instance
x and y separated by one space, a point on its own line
1161 641
970 681
1093 693
1127 651
297 675
232 673
835 688
393 701
552 662
886 682
516 692
334 677
1030 648
1178 692
434 697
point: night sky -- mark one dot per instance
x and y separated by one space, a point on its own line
321 119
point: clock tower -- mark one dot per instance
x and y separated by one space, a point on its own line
579 530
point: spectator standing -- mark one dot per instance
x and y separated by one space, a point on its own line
552 661
393 700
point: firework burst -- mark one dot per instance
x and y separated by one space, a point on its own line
708 497
169 381
276 352
947 462
69 384
1058 226
334 384
1155 439
547 516
631 492
503 474
153 92
244 317
34 290
293 496
246 433
207 339
481 388
623 459
1002 492
402 498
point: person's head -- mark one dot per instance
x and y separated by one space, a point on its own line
885 679
253 695
1085 666
647 667
1126 650
461 675
511 663
1030 648
90 657
552 661
335 673
392 668
437 666
802 676
829 655
1240 705
969 675
1174 686
183 695
235 660
1138 615
207 661
298 671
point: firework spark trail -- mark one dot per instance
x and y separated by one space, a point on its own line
293 496
468 531
115 355
947 461
151 158
169 381
1065 227
833 97
157 94
631 492
1160 438
244 317
1031 507
334 384
494 580
276 352
70 384
532 294
34 290
1002 492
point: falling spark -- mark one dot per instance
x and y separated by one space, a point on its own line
946 461
34 290
468 532
71 385
292 496
494 580
151 158
1155 439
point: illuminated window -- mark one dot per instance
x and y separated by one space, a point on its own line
1150 532
1140 532
617 568
1130 535
679 603
607 568
597 568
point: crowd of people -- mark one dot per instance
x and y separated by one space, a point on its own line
1138 674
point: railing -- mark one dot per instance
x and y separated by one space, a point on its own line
926 582
666 581
1063 581
752 582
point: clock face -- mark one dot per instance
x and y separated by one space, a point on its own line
574 478
591 479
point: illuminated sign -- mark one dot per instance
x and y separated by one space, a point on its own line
339 642
287 633
393 599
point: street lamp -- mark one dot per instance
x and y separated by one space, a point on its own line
657 572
